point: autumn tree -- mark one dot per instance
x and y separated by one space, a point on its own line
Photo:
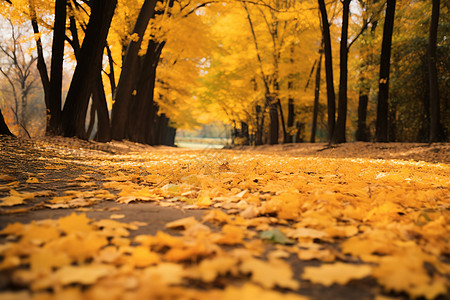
87 68
385 63
331 96
128 76
435 123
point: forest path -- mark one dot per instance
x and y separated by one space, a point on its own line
123 220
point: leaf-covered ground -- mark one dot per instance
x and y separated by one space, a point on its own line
83 220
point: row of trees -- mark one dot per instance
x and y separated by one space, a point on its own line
362 38
141 69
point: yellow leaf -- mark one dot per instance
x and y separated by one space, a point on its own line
339 273
22 295
116 216
270 274
164 274
86 274
184 223
143 257
251 291
10 262
209 269
231 235
203 200
45 260
75 224
32 180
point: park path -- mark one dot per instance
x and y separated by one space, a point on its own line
122 220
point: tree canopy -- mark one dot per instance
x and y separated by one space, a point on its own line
138 70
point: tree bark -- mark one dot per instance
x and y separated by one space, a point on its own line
331 96
124 89
362 133
274 123
87 69
42 68
4 130
316 98
385 63
143 106
435 122
339 133
56 68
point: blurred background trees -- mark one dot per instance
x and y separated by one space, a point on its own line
140 70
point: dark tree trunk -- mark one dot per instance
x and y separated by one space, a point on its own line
339 133
274 123
290 120
170 138
435 120
56 71
362 133
331 96
289 138
4 130
87 69
130 69
259 125
316 98
244 134
42 67
385 64
298 135
143 106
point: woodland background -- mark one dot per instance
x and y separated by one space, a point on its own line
273 71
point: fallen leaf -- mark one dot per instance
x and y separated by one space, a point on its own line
270 274
340 273
276 236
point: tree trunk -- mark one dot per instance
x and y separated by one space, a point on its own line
316 98
42 67
435 120
259 125
339 133
127 79
4 130
362 133
56 71
143 108
290 120
274 123
385 63
289 138
87 69
331 97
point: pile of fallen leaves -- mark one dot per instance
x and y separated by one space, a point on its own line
273 226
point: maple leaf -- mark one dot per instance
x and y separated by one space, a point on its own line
339 273
209 269
270 274
85 274
75 223
164 274
251 291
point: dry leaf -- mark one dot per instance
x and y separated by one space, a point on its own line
270 274
340 273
